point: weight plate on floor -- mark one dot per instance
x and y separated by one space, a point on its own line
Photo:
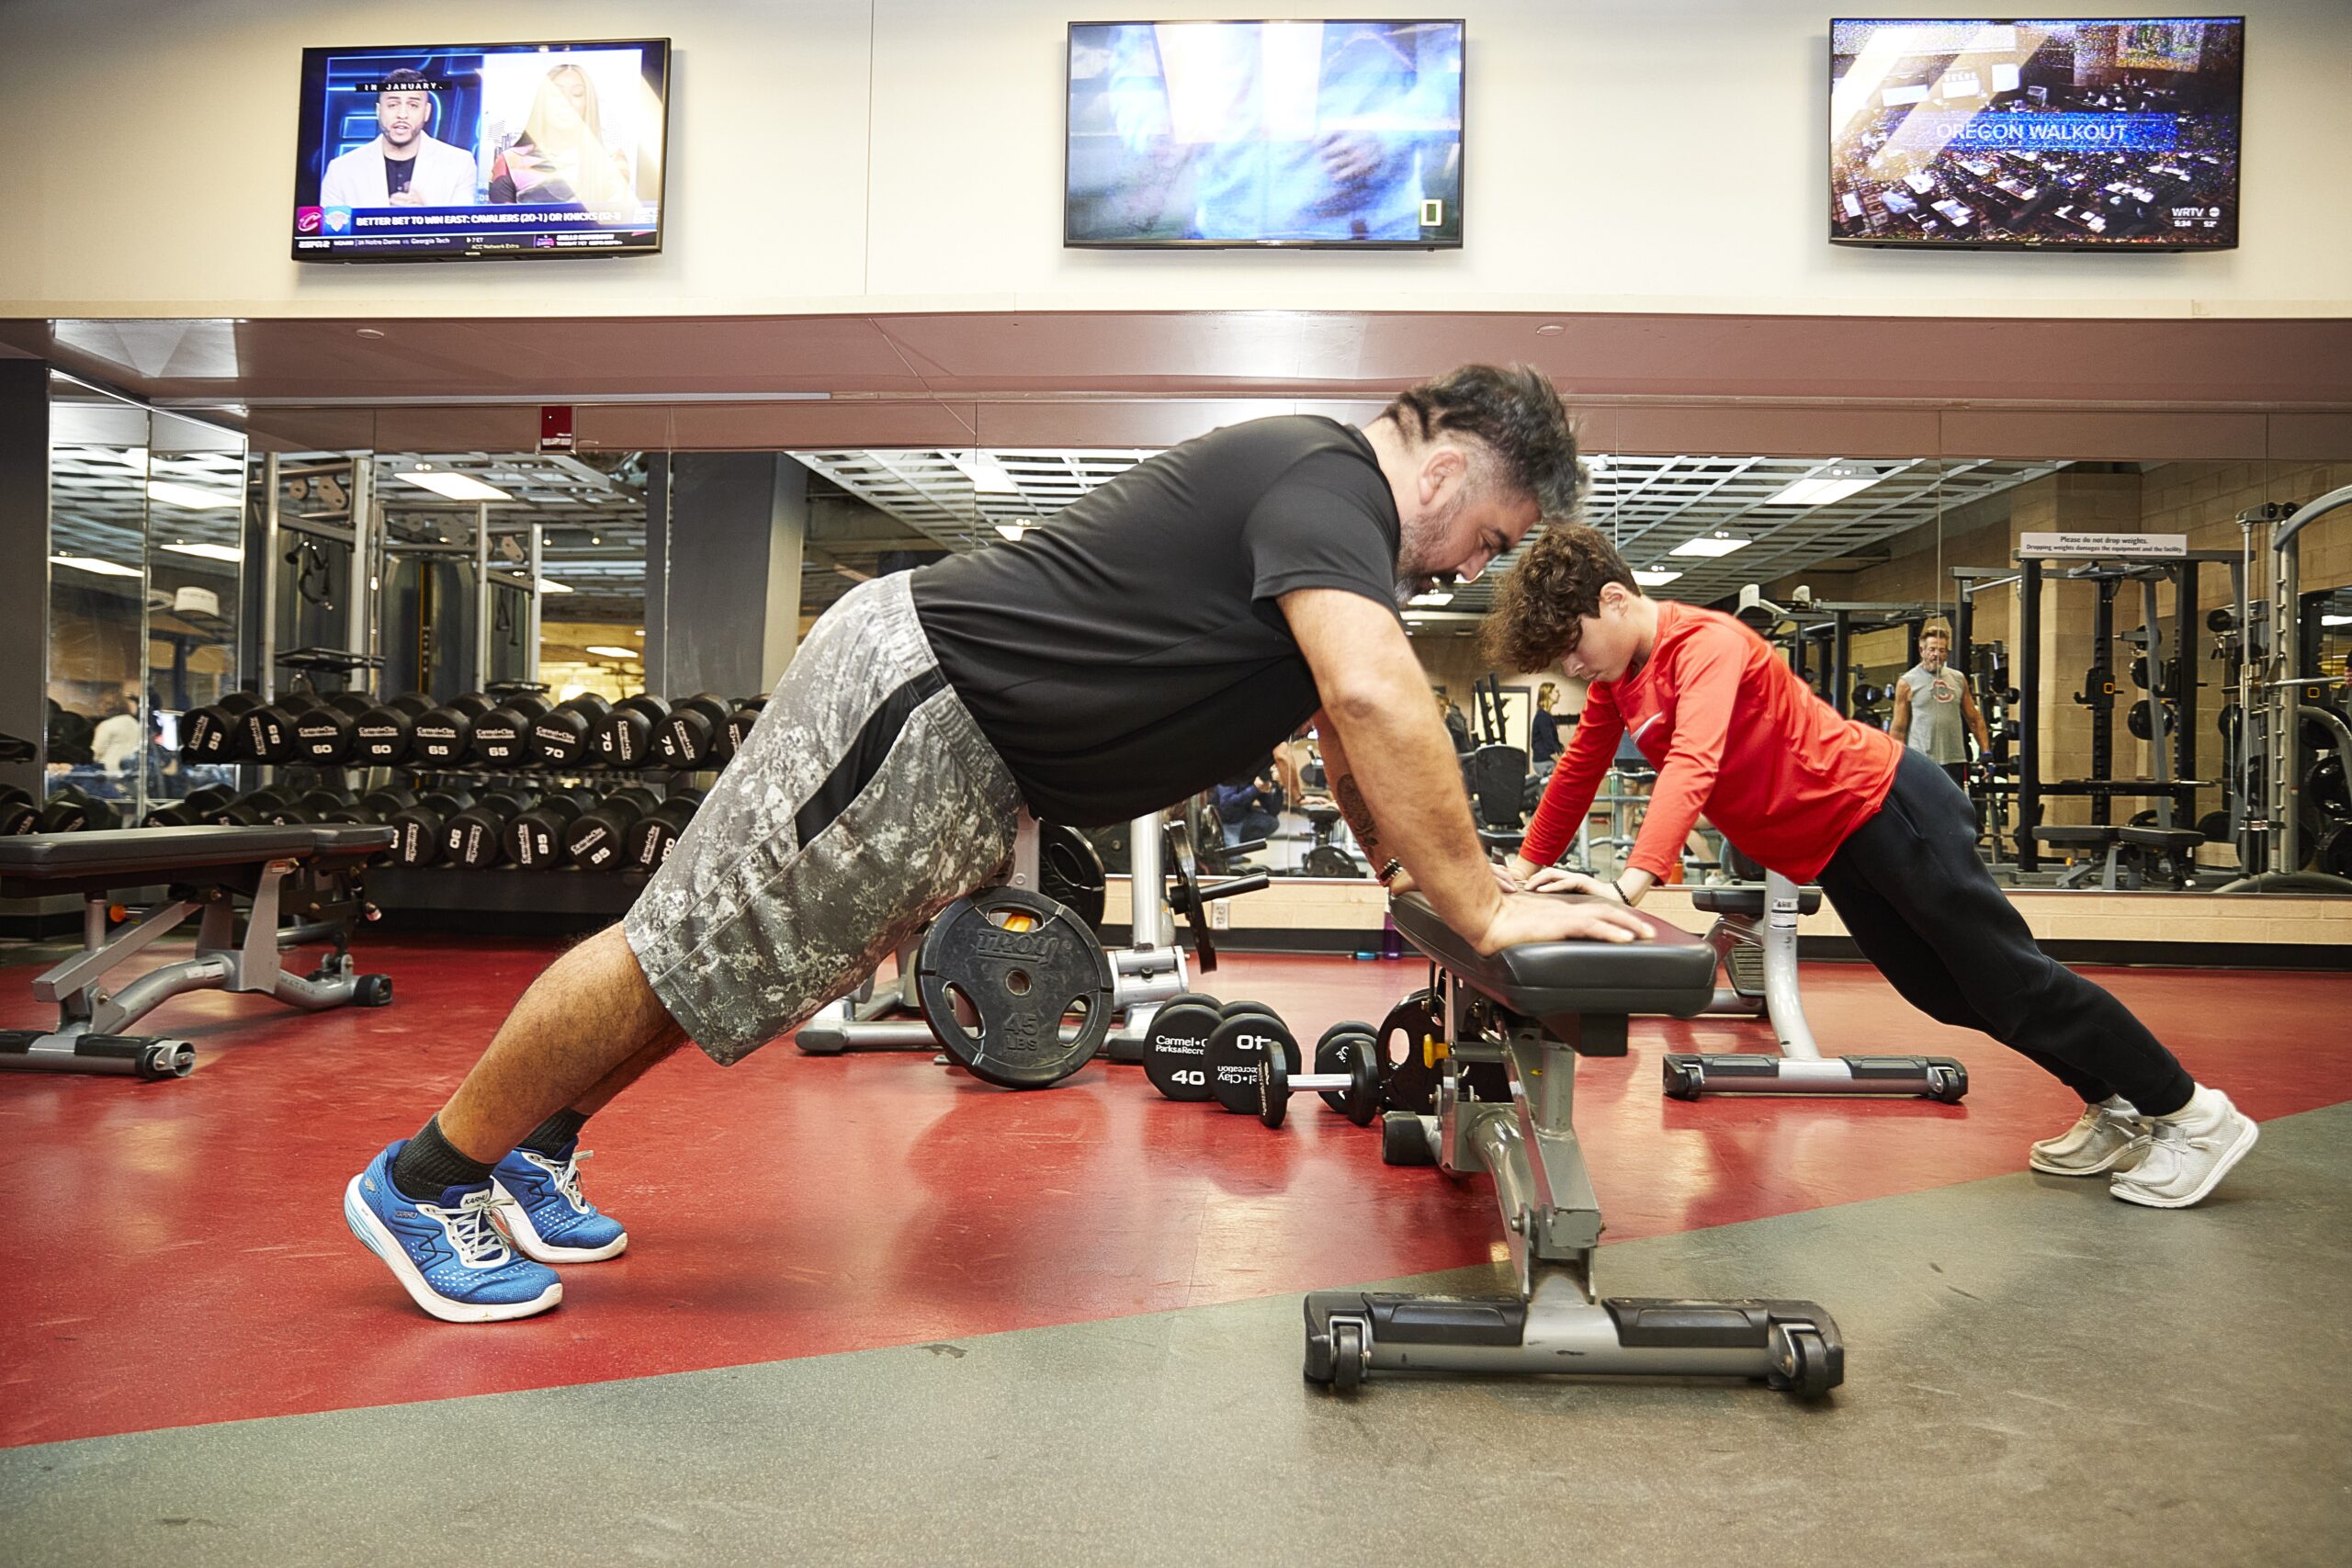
1069 871
1409 1068
998 974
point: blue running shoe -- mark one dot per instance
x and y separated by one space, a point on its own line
448 1255
545 1216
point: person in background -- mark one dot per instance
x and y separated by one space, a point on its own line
1455 723
1543 737
1935 711
1250 804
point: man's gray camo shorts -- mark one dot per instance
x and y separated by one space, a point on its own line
864 802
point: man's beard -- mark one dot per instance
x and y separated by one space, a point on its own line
1413 574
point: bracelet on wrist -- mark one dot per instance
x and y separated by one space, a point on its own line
1388 872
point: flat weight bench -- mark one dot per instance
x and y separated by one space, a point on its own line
307 874
1535 1008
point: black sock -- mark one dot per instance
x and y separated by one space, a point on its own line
557 1134
428 1163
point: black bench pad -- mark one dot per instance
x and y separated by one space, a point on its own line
158 854
1674 973
2080 837
2177 841
1748 900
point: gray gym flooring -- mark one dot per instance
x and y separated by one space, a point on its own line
2036 1374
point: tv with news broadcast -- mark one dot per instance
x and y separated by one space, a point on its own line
464 151
1337 134
2093 134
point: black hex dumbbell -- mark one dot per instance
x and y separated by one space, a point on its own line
625 734
382 735
324 736
440 738
17 812
209 733
682 739
598 839
70 811
378 806
247 810
1230 1059
265 734
475 838
416 828
650 839
502 737
564 737
534 836
1348 1080
735 732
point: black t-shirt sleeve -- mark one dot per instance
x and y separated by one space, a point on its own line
1322 526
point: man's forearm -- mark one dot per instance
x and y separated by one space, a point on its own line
1422 817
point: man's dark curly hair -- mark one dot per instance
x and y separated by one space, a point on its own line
1515 412
1537 618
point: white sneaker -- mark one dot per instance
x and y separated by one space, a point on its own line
2188 1157
2103 1139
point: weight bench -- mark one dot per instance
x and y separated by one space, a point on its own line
305 875
1534 1008
1755 938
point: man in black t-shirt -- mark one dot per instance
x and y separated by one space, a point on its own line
1160 635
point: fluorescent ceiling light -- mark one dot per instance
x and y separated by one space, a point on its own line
1013 530
1435 596
188 496
2336 620
639 632
1649 578
1831 485
614 652
94 566
549 585
985 470
210 552
455 486
1711 545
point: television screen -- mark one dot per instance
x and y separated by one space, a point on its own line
1265 133
441 153
2102 134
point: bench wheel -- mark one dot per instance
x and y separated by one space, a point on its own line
1347 1356
372 990
1684 1079
1800 1362
1404 1141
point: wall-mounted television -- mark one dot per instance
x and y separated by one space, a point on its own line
2108 134
1342 134
459 151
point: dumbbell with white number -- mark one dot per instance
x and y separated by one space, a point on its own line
1356 1085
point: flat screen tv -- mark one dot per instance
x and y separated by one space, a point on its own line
459 151
2074 135
1342 134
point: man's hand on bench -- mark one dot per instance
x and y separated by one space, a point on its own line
1529 917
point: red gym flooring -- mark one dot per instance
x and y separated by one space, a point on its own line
179 1257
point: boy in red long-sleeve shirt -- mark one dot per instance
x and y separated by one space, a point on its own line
1891 839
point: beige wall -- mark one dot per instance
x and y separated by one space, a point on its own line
881 156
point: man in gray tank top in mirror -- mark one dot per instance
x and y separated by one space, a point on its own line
1935 712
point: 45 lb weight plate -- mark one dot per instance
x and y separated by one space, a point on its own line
1001 973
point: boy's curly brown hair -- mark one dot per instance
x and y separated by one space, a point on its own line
1539 610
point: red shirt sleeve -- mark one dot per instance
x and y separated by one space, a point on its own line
1575 779
1703 676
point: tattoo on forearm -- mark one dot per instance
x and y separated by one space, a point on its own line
1357 810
